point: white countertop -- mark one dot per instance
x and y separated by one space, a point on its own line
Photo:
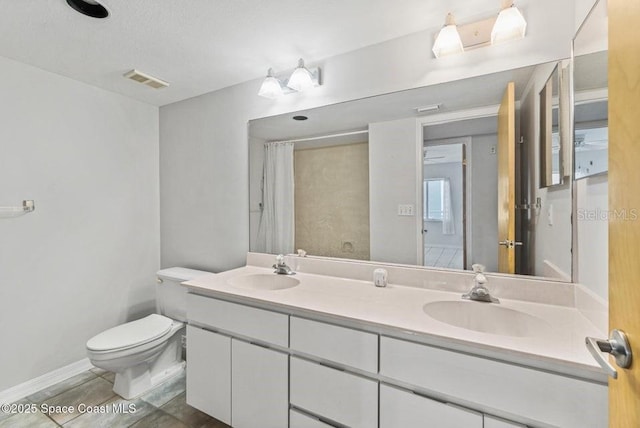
397 311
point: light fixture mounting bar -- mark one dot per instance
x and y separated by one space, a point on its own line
476 34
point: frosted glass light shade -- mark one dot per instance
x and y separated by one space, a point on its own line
301 78
270 87
509 25
447 42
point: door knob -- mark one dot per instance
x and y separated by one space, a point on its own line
617 345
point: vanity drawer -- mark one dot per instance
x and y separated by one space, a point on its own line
336 395
265 326
400 408
338 344
300 420
493 422
532 394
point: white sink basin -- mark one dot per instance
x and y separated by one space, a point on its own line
486 318
264 281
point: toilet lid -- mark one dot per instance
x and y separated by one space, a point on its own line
131 334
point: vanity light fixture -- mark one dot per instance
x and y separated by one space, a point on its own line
509 25
271 87
300 80
448 39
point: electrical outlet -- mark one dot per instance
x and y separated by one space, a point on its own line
406 210
184 341
493 150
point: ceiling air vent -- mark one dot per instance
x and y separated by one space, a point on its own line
145 79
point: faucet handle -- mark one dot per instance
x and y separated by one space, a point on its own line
478 268
279 259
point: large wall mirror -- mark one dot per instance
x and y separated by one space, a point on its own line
590 57
380 179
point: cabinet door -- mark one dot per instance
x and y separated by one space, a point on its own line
209 373
493 422
399 408
260 393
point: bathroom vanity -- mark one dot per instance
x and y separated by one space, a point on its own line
325 347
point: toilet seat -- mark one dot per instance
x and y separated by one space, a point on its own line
131 334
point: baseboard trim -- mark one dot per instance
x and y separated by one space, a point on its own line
29 387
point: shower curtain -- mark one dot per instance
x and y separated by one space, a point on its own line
448 228
277 222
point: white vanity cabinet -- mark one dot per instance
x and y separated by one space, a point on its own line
400 408
252 367
243 384
209 373
260 390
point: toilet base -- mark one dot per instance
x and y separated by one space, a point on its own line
154 366
138 380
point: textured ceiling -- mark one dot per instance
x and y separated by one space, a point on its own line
203 45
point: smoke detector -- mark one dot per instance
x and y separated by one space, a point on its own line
146 79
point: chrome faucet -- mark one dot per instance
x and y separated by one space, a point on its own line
479 292
281 267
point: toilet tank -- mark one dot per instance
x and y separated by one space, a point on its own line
171 297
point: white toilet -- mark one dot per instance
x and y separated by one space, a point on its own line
145 352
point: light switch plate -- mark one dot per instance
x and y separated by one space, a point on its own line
406 210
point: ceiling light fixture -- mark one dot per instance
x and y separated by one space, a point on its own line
448 40
271 87
509 25
300 80
89 8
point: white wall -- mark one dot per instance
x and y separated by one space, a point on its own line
85 259
592 205
393 181
203 141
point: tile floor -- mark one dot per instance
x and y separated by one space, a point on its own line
162 407
451 258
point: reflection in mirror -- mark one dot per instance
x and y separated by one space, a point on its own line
375 180
590 81
443 196
550 141
591 114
